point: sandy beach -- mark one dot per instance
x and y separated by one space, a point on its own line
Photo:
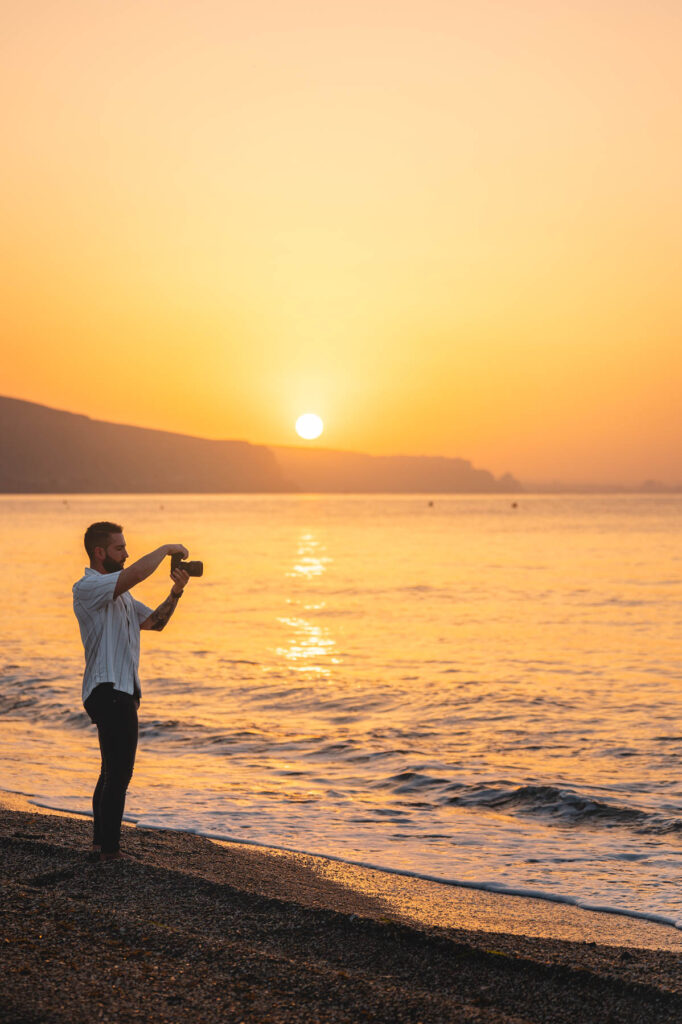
185 929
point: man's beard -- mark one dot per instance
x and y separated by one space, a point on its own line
109 565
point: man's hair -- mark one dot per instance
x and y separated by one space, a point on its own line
97 536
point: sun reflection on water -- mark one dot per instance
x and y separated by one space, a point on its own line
308 643
311 560
310 647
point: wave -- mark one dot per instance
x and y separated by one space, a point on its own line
548 801
560 806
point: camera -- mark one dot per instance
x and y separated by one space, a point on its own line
191 568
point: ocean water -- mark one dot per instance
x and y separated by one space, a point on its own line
450 686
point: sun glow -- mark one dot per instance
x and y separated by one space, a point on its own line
309 426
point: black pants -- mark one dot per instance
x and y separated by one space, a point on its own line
115 715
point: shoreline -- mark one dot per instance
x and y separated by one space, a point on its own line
188 929
427 900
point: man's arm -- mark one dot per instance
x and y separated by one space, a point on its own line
158 618
145 566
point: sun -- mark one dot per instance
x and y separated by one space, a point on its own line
309 426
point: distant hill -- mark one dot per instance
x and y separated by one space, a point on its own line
327 471
47 451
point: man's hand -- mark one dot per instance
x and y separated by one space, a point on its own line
177 549
180 580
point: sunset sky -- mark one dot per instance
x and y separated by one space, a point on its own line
447 228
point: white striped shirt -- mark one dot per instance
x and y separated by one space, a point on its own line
110 631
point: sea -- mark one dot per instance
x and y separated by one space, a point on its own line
482 690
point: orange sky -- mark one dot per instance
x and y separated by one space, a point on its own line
447 228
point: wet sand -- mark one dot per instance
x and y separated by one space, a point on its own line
186 929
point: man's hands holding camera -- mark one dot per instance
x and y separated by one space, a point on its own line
182 570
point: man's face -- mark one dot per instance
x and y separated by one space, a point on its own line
115 553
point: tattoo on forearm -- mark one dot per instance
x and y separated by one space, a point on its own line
158 619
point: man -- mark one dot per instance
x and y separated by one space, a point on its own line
110 621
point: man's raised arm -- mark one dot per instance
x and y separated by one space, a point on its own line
145 566
159 618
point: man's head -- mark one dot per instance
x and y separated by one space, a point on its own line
106 547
